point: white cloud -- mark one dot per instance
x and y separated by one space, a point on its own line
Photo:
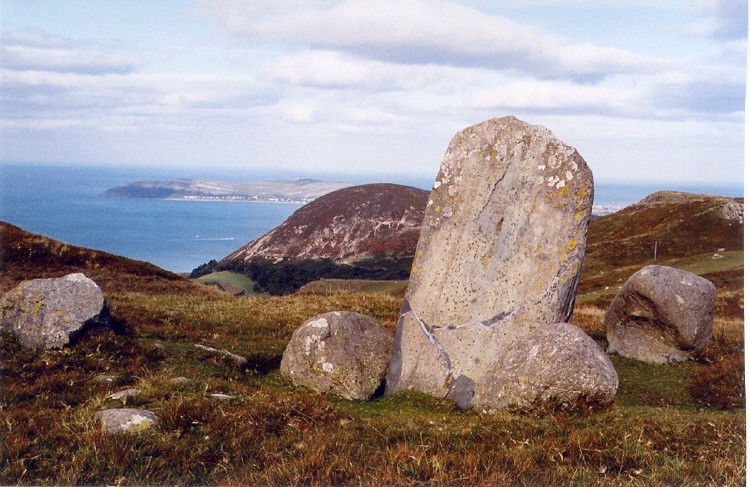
331 69
431 32
722 19
35 51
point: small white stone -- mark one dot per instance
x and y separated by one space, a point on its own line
437 185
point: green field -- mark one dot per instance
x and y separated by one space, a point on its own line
231 282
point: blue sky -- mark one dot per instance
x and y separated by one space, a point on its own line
644 90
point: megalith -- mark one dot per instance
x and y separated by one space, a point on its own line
499 256
661 315
48 313
342 352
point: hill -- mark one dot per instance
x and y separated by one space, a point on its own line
348 225
699 233
25 255
361 232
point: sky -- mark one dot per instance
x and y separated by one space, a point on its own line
646 91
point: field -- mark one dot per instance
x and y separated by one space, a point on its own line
270 432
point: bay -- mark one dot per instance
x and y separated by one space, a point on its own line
65 203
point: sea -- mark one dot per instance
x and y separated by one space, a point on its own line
66 204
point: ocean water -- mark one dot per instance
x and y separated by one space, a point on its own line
65 203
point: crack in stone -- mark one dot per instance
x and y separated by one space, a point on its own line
428 331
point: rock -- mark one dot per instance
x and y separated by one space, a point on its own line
124 394
557 365
104 378
222 397
179 380
126 420
237 359
50 313
499 255
661 314
341 352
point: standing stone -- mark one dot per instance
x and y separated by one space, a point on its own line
499 255
660 315
341 352
47 313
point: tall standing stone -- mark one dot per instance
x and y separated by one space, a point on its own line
499 255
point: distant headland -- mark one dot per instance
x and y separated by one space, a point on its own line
280 191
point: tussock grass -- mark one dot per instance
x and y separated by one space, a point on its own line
273 433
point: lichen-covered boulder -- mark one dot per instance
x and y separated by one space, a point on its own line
499 255
556 365
48 313
660 315
126 420
341 352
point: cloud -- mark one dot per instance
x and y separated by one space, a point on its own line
335 70
34 51
430 32
724 20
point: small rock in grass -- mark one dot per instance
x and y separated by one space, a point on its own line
124 394
239 360
126 420
179 380
223 397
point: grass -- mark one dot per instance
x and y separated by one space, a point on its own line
231 282
656 432
327 286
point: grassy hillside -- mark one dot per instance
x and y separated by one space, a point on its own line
24 255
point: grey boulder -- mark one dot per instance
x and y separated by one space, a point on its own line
341 352
556 365
49 313
660 315
126 420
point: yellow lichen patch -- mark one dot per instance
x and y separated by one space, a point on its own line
582 193
578 217
572 244
564 192
438 208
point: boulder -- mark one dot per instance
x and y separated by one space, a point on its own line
499 255
126 420
556 365
341 352
49 313
660 315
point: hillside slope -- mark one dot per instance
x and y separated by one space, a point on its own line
700 233
345 226
25 255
